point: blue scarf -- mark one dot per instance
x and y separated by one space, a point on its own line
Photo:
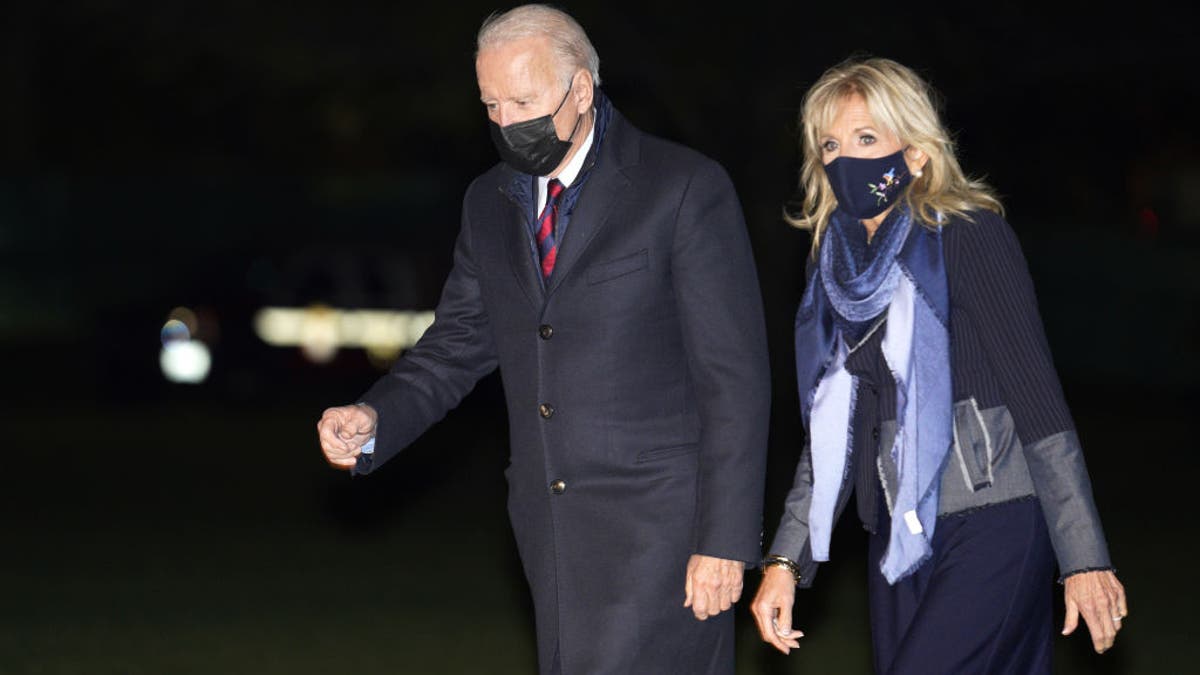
903 274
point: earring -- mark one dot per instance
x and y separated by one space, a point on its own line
918 173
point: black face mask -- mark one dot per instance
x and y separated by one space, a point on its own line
533 146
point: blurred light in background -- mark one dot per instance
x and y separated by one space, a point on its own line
185 362
183 359
185 316
320 331
174 331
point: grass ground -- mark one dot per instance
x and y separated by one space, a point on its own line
190 540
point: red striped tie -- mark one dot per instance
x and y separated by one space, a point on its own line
547 248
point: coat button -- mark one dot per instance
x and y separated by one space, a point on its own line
875 434
546 410
546 331
559 486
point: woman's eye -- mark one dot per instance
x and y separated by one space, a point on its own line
866 139
829 146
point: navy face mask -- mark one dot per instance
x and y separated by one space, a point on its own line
533 146
865 188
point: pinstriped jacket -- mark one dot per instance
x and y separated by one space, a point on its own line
1013 433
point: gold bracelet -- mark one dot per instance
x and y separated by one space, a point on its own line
785 563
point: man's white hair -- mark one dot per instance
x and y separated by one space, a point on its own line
572 48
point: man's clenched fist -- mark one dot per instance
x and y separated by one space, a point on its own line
343 431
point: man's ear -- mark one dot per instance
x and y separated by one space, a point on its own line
581 91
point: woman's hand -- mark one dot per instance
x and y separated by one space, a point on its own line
772 609
1100 598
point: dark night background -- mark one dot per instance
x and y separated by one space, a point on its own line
227 156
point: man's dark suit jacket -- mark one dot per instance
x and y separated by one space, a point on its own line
638 392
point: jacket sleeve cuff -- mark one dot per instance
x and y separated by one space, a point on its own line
791 543
1065 493
1072 573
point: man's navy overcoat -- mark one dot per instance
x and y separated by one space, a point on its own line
638 392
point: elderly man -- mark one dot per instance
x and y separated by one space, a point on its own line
608 274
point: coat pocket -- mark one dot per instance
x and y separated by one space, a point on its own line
972 445
665 453
612 269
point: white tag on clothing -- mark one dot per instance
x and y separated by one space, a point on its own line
914 523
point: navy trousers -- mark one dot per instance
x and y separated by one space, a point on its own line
981 604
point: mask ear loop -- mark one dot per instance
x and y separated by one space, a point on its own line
570 85
561 103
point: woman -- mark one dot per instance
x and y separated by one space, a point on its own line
927 390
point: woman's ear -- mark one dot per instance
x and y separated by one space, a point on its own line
916 159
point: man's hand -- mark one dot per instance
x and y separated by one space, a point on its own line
772 609
713 585
1100 598
343 431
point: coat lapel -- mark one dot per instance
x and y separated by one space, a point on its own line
591 214
606 187
520 256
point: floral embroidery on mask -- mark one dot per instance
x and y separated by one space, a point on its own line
880 189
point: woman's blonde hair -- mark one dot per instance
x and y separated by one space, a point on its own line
901 102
